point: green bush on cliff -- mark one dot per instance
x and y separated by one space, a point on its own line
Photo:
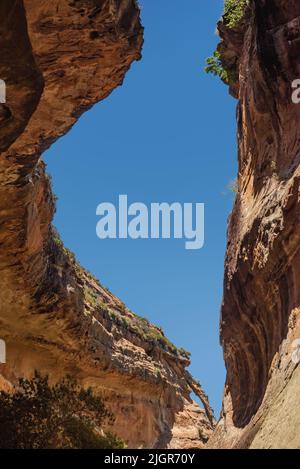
59 243
90 296
215 66
62 416
234 11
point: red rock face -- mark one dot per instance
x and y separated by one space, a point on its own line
59 58
260 311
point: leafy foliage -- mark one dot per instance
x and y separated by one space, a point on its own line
65 415
215 66
234 11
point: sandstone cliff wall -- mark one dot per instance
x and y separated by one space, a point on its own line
260 313
59 58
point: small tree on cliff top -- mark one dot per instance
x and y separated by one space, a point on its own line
65 415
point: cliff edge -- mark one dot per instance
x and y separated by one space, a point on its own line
260 321
57 59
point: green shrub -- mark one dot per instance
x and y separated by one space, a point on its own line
234 11
90 296
215 66
62 416
59 243
56 238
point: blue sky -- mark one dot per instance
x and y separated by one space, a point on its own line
166 135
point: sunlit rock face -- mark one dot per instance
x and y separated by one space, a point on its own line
59 58
260 313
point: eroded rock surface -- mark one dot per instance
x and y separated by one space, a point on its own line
59 58
260 313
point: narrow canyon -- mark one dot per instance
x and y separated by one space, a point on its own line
58 59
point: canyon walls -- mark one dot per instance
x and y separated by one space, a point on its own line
260 313
59 58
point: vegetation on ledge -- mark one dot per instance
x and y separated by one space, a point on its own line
214 65
234 11
63 416
120 314
142 328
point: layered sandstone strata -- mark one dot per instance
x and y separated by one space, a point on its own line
59 58
260 313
